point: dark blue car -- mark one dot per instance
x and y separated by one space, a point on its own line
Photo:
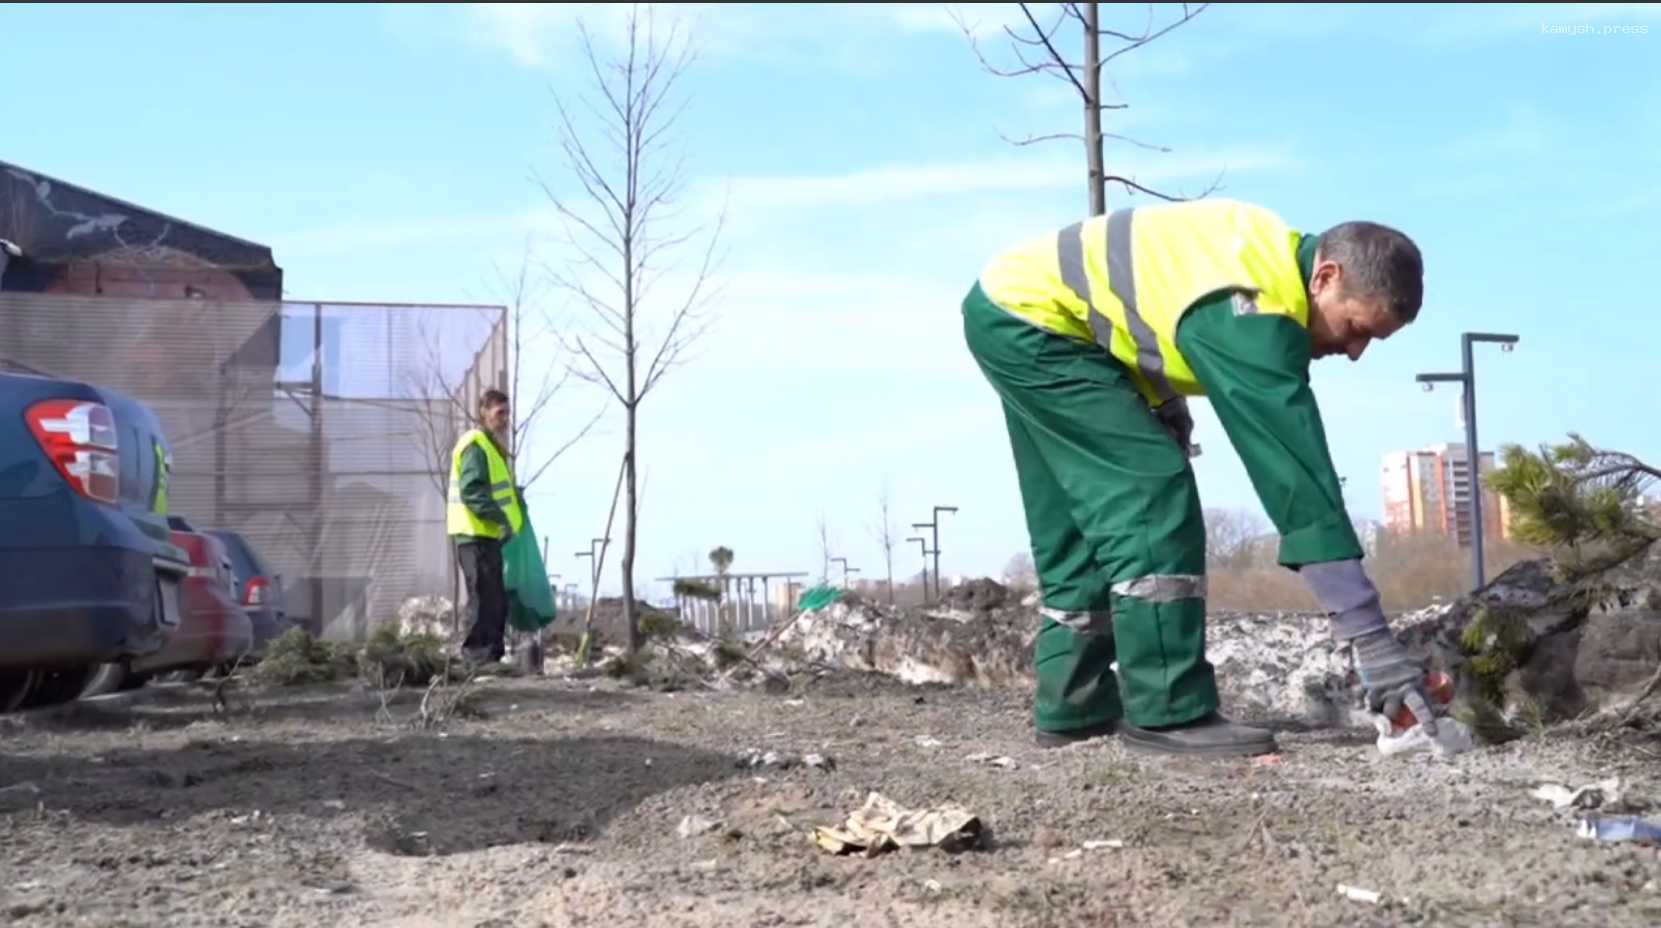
88 573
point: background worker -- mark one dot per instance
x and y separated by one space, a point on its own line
484 511
1092 337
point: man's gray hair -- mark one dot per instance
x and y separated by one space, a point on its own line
1379 263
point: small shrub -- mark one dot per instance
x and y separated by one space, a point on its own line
297 659
389 659
659 625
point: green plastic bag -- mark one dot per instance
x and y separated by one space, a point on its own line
530 598
818 598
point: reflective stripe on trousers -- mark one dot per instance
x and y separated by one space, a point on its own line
1087 621
1163 588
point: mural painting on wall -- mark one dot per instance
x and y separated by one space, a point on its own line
69 240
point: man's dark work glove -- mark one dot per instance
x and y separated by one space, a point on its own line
1174 416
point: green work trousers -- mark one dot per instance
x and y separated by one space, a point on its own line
1117 535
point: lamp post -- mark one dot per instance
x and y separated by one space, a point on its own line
1473 456
934 526
923 543
846 570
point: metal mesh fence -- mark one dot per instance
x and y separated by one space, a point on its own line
320 431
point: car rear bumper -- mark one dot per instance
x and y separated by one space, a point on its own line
80 605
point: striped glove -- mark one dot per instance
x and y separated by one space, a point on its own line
1392 678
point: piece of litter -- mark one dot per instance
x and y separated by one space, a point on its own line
818 761
335 804
932 886
648 761
759 781
564 848
24 787
1114 843
1452 737
881 825
1073 854
1008 763
795 702
694 825
1266 760
1602 793
1356 894
1624 828
924 741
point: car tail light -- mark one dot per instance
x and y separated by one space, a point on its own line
256 592
82 442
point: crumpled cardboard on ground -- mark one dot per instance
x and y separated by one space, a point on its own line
882 825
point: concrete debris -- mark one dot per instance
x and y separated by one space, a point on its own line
1595 795
426 615
695 825
882 825
1357 894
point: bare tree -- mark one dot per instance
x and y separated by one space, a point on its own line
438 384
1038 49
1020 573
883 531
1232 537
824 550
623 231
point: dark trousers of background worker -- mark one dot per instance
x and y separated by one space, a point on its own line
487 599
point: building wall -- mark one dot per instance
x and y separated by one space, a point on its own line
1428 490
81 243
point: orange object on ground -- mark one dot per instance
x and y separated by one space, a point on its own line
1440 687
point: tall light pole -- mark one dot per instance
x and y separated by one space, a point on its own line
937 511
1473 456
923 543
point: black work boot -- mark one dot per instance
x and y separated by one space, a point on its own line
1209 736
1061 739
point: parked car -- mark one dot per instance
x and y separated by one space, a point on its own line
258 588
90 572
213 628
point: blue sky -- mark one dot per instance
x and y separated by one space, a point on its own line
386 153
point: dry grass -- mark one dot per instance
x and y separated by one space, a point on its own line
1410 573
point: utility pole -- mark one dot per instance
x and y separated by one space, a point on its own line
1473 455
924 544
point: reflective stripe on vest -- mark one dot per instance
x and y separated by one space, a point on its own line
1128 277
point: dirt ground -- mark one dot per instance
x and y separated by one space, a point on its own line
560 807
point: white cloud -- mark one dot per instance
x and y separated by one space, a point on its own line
888 185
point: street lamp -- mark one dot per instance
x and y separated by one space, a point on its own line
1473 457
936 525
923 543
846 570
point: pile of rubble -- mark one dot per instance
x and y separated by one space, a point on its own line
1529 647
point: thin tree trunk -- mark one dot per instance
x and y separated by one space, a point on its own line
629 617
1093 112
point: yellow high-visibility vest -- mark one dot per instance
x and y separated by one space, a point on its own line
1124 281
458 518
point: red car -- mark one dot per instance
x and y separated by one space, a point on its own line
213 628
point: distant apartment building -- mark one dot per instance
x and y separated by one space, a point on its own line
1429 490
